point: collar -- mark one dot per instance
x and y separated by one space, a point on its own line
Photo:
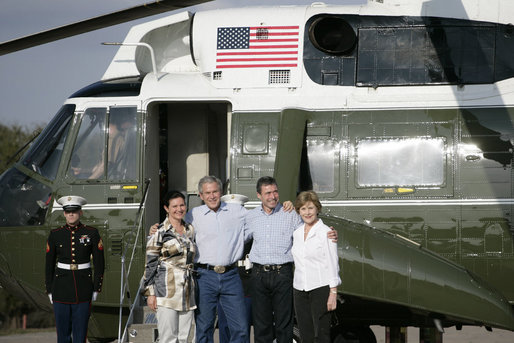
73 228
223 207
273 211
167 225
315 228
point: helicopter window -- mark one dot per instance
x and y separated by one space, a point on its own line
122 143
256 139
44 155
401 162
23 200
87 155
321 156
119 140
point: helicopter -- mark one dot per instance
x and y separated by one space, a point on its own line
397 113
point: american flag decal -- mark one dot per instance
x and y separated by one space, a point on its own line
257 47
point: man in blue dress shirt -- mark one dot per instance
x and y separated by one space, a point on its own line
220 241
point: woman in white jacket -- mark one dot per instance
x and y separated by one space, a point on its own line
316 274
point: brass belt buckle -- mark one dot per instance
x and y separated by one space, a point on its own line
74 266
219 269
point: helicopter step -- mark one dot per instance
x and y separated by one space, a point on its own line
144 327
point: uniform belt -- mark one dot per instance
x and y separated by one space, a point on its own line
73 266
271 267
217 269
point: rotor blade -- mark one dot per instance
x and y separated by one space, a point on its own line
95 23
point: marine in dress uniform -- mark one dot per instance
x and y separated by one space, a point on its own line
69 281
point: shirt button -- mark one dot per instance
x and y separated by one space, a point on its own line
72 243
72 249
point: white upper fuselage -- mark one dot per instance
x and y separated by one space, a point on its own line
179 77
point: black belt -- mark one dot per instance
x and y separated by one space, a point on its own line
271 267
217 269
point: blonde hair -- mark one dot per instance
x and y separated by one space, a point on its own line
305 197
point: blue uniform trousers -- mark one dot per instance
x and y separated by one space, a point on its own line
71 319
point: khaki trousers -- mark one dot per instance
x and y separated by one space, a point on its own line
174 326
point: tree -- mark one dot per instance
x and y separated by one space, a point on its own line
12 139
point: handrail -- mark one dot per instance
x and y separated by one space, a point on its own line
124 275
129 319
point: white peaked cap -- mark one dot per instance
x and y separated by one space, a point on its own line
72 202
235 199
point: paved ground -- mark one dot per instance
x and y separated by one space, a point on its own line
451 335
467 335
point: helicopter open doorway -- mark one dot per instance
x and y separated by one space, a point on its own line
184 142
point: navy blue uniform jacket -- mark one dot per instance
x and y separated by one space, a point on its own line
74 245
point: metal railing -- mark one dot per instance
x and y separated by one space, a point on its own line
124 284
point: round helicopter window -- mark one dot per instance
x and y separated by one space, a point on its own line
332 35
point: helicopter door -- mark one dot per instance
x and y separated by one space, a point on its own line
185 141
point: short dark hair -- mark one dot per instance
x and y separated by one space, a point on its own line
265 181
173 194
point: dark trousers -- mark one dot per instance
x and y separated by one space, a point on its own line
312 316
272 304
71 319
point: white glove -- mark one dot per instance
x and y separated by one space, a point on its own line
50 297
95 295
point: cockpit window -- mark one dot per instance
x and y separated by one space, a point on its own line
23 200
87 155
44 155
106 145
122 143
